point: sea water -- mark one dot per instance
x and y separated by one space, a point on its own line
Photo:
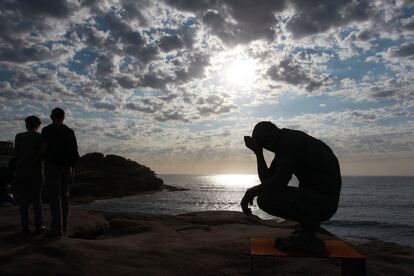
369 208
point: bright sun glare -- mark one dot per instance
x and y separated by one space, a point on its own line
241 72
241 180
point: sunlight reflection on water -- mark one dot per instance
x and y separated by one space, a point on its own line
239 180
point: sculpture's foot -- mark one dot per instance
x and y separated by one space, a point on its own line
301 243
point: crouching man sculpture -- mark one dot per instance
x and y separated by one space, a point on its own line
317 169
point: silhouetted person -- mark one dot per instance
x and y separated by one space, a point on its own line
317 169
29 177
60 153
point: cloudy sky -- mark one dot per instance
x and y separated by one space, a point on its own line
175 85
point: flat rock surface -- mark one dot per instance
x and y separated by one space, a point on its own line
202 243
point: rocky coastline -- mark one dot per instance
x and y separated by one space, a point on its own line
97 176
201 243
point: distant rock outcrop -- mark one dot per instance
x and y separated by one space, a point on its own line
99 176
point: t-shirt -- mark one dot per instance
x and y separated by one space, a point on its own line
62 147
309 159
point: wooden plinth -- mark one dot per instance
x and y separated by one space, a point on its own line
353 263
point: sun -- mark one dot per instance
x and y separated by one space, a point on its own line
240 72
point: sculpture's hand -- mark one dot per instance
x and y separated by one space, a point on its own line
248 200
251 144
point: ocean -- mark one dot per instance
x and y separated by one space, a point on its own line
370 207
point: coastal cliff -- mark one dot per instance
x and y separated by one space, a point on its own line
98 176
201 243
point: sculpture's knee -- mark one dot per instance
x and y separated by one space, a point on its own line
268 203
263 202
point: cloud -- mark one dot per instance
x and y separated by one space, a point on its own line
317 16
155 80
145 105
214 104
57 8
236 21
105 105
171 115
170 42
408 23
26 23
104 65
127 81
288 70
193 66
405 50
128 69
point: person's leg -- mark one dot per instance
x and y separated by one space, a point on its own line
24 216
20 192
290 203
297 205
52 181
67 176
37 206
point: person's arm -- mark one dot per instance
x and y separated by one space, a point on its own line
43 144
262 169
249 197
281 177
283 172
74 147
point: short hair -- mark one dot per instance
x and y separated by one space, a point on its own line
32 122
57 113
263 129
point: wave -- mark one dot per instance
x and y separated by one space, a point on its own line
368 224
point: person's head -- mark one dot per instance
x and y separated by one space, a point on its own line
57 115
32 123
264 134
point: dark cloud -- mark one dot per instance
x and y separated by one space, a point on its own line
105 105
136 10
55 8
288 70
365 116
127 82
33 20
236 21
146 105
154 80
192 66
171 115
169 96
365 35
104 65
213 104
133 38
9 93
35 53
170 42
189 5
188 33
379 94
119 135
408 23
132 41
92 36
405 50
145 54
317 16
